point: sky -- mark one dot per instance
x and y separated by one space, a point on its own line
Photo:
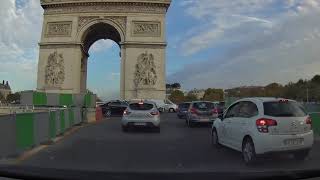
211 43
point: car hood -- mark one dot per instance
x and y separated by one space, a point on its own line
27 172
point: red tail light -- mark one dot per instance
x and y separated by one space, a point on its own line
215 111
126 112
193 111
309 121
155 113
263 124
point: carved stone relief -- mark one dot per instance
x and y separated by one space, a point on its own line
145 74
146 28
54 72
119 20
59 29
107 8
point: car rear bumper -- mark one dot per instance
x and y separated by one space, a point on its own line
135 122
266 143
202 120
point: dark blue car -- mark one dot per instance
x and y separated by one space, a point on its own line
183 109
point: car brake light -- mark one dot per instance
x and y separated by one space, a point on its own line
215 111
126 112
263 124
193 111
309 121
155 113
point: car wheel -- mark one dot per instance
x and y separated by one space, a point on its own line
301 155
215 139
108 113
125 128
248 151
171 110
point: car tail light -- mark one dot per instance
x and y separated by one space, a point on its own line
126 112
155 113
309 121
215 111
263 124
193 111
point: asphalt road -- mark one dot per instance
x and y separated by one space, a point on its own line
104 147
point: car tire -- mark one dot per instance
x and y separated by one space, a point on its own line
215 139
171 110
301 155
125 128
248 152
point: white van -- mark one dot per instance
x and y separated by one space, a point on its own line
165 105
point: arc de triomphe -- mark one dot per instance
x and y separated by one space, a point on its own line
70 27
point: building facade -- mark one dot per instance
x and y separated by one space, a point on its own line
5 89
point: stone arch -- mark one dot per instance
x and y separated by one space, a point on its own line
108 22
70 27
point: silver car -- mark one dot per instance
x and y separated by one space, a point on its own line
201 112
141 114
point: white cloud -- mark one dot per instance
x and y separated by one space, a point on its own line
19 34
101 45
286 51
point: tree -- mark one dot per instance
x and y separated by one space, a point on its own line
316 79
213 95
177 96
13 98
191 97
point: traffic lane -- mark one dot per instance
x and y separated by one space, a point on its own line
103 146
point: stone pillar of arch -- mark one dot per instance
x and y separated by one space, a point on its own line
70 27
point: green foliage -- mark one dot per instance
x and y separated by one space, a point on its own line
177 97
213 95
191 97
301 90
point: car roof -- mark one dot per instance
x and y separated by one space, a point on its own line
201 101
262 99
144 101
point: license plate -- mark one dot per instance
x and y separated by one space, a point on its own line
293 142
140 124
204 119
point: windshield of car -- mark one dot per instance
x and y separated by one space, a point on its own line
160 85
184 105
203 105
140 106
283 109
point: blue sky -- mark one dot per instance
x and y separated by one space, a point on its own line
211 43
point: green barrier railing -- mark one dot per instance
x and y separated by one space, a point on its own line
316 122
39 98
71 117
62 122
66 100
25 130
52 125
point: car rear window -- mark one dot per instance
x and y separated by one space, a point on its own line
184 105
283 109
203 105
141 107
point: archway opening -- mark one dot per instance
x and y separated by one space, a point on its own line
101 62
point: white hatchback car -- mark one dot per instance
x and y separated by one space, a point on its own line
142 114
256 126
